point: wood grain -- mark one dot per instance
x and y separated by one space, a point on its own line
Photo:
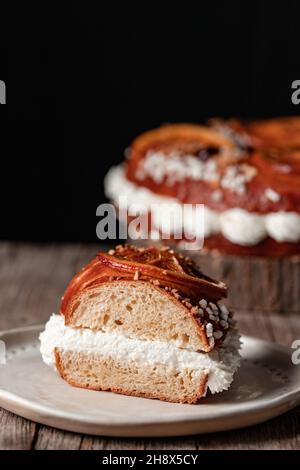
32 280
257 283
16 433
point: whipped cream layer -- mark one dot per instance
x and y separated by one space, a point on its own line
220 364
236 225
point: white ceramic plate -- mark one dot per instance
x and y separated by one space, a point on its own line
266 385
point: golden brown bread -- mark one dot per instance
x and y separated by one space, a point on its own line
105 373
178 301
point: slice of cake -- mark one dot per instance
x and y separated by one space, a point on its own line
143 322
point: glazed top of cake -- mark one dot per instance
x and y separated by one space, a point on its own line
253 166
162 266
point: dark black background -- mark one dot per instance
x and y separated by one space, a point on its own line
84 78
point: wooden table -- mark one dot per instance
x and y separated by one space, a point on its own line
32 280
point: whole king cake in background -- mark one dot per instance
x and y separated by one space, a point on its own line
247 174
144 322
248 181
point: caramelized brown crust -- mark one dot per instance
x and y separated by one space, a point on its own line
281 133
187 138
164 266
275 159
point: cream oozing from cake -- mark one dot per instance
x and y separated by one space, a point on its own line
236 225
220 364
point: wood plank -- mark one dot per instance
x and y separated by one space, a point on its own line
106 443
33 279
54 439
279 433
265 284
16 433
172 443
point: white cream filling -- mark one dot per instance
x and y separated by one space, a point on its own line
237 225
241 227
220 364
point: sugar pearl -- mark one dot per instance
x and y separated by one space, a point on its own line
209 329
224 316
218 334
224 324
213 306
224 309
